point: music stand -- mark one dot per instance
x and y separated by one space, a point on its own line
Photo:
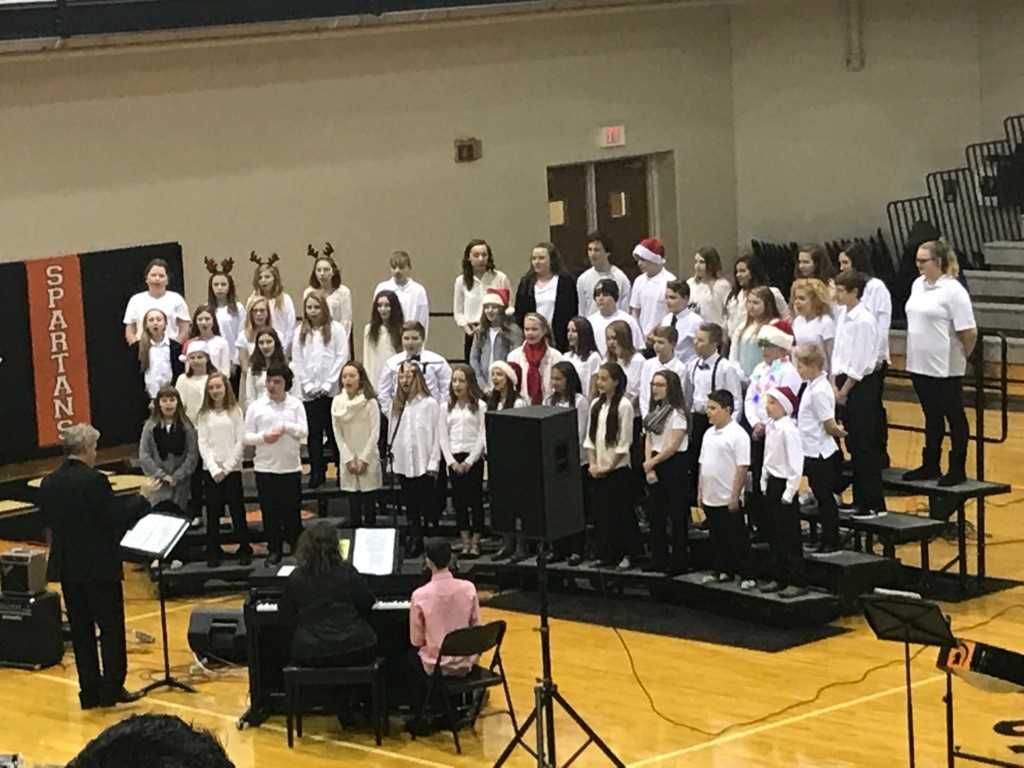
903 617
154 537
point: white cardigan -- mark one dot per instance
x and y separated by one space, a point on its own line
356 429
551 357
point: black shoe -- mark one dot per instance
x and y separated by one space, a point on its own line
123 696
274 558
951 478
245 558
213 562
924 472
315 481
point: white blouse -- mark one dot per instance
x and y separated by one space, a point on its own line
708 299
317 364
376 355
468 304
545 297
231 324
462 431
159 370
221 440
339 303
585 369
676 421
603 454
415 446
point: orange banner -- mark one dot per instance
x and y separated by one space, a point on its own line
59 362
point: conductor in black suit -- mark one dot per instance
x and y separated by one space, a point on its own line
86 521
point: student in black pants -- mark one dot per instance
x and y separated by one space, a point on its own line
462 441
667 472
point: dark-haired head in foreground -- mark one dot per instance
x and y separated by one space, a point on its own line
152 741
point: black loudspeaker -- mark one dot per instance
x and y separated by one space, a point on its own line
533 470
30 631
218 634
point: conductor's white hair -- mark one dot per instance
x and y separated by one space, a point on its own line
78 438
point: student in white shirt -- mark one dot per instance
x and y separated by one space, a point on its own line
222 298
156 296
682 318
276 425
743 348
748 273
608 442
191 384
356 419
567 392
667 473
436 371
819 432
412 295
266 282
382 336
780 482
413 442
326 277
941 335
724 461
206 329
812 314
462 439
319 350
549 290
583 352
606 295
496 336
159 358
479 276
257 318
267 353
663 339
709 290
619 344
599 251
535 357
856 379
647 298
221 432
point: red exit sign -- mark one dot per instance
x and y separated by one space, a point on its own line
613 136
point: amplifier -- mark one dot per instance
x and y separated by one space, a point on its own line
30 631
22 572
218 634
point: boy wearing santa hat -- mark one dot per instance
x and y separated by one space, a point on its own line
647 299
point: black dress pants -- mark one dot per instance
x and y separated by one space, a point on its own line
92 604
787 551
228 492
362 507
318 417
823 476
615 521
669 506
864 441
468 494
418 499
280 504
730 540
942 400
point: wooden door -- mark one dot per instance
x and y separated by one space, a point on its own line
567 213
622 207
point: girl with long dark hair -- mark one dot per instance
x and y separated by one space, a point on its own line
548 290
462 441
355 415
496 336
479 275
382 336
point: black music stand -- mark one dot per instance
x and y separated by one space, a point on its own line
155 536
904 617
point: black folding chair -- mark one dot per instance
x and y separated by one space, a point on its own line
471 641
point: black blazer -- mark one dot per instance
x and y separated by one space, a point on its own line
565 306
87 521
177 368
328 613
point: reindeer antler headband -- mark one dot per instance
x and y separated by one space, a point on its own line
263 261
313 253
223 268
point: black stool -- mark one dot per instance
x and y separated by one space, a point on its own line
372 676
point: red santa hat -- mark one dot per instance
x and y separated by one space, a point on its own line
778 333
651 250
512 371
785 397
191 346
497 296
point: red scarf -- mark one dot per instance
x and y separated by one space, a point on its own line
534 354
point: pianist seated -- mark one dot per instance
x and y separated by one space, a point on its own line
444 604
327 601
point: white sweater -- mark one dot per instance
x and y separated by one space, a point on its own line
221 440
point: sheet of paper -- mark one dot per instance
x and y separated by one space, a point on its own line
155 534
285 570
344 545
373 551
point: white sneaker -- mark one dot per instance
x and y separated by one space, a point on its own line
709 578
624 564
747 584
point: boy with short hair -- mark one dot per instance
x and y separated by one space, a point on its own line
436 371
647 299
780 480
606 297
411 295
724 461
663 339
599 251
682 318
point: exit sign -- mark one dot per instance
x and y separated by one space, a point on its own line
613 136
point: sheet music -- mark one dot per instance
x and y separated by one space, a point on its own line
373 551
285 570
155 534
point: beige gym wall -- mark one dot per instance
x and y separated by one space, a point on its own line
273 144
1001 51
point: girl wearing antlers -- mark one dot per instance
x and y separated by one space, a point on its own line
326 277
222 297
266 283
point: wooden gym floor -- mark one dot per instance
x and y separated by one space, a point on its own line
705 686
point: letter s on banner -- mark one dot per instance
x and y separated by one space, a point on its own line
60 366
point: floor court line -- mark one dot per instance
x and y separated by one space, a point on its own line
182 607
725 739
271 727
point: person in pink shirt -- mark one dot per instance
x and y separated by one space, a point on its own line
444 604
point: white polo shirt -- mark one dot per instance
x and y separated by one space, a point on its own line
648 296
936 312
817 405
723 450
